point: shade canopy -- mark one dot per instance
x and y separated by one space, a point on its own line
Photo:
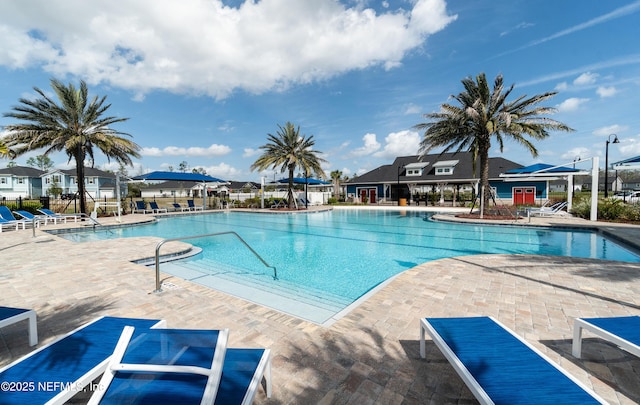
542 168
304 180
633 162
178 176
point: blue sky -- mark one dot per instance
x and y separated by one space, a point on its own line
205 81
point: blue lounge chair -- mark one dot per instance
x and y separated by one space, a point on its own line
5 213
499 367
141 207
60 369
9 316
8 224
242 374
193 207
177 207
182 366
154 207
34 219
623 331
63 217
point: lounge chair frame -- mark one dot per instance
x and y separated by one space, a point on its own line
9 316
213 373
50 214
71 388
476 388
587 323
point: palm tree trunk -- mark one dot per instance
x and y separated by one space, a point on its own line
290 196
485 189
80 179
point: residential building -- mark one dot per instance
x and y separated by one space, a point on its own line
98 183
411 179
20 182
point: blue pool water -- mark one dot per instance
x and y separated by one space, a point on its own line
342 254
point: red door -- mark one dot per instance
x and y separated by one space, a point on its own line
518 196
372 196
363 195
524 195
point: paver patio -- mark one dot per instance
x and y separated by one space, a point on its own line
371 355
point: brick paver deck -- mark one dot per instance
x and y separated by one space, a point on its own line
370 356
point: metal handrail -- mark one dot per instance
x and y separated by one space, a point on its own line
162 242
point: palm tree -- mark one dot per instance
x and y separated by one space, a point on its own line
5 151
483 114
290 150
336 176
74 126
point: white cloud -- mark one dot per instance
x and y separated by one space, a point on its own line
401 143
586 79
576 153
206 47
606 91
562 86
223 171
248 152
213 150
611 129
371 145
571 104
630 147
412 109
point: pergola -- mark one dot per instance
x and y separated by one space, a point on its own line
547 172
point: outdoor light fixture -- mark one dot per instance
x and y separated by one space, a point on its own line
606 163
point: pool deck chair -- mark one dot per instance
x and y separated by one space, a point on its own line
242 374
554 210
9 316
499 367
5 224
164 366
60 369
178 207
141 207
63 217
154 207
35 219
5 213
193 207
622 331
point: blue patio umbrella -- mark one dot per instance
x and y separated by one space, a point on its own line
178 176
304 180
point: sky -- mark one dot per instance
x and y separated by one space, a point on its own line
205 81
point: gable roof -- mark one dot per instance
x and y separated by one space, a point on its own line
463 171
88 172
21 171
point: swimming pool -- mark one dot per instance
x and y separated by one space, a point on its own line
327 260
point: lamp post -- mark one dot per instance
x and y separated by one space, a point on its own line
606 163
399 170
576 159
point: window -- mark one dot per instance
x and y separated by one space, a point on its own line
415 169
444 170
91 180
47 180
445 167
20 180
3 180
56 178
